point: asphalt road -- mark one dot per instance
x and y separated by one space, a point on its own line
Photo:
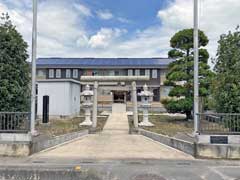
121 170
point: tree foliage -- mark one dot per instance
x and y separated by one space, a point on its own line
226 86
182 70
14 70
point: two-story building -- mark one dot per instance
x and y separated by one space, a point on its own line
51 70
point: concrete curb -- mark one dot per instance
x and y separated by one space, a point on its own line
187 147
45 144
218 151
197 150
69 173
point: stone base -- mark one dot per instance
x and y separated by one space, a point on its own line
86 123
218 151
15 144
16 149
148 124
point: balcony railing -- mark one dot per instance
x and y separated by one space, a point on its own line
14 122
219 123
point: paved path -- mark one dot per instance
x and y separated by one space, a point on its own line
114 143
117 122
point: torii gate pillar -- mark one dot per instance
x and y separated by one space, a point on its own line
95 104
135 106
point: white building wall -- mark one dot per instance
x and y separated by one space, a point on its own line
64 98
74 99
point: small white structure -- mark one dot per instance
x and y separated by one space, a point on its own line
64 97
87 105
145 98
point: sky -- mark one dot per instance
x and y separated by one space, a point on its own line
118 28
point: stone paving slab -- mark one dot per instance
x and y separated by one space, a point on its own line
117 121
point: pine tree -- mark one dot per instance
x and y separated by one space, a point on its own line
182 70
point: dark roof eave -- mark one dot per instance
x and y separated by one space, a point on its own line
104 62
102 67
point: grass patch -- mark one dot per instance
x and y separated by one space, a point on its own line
64 126
166 125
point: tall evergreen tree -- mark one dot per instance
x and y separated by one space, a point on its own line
14 69
181 71
226 86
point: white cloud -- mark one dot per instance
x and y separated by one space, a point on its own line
178 15
60 25
104 37
123 20
62 29
22 20
83 9
59 22
82 41
216 18
104 14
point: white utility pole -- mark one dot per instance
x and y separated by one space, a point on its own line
34 53
196 56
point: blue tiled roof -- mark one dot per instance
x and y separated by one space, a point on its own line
103 62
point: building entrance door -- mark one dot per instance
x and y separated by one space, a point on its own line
119 96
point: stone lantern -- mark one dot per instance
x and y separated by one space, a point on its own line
87 105
145 100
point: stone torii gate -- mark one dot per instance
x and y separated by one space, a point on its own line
97 79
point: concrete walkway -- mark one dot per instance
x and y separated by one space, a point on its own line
113 143
117 122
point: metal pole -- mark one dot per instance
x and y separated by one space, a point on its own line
34 52
196 56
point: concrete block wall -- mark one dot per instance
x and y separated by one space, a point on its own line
181 145
15 148
198 150
41 145
15 144
20 145
218 151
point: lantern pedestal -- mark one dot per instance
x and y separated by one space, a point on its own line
87 121
145 97
145 121
87 105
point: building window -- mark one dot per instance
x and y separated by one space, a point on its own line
154 73
58 73
130 72
142 72
41 73
117 73
111 73
147 72
68 73
163 73
75 73
51 73
95 73
88 73
137 72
